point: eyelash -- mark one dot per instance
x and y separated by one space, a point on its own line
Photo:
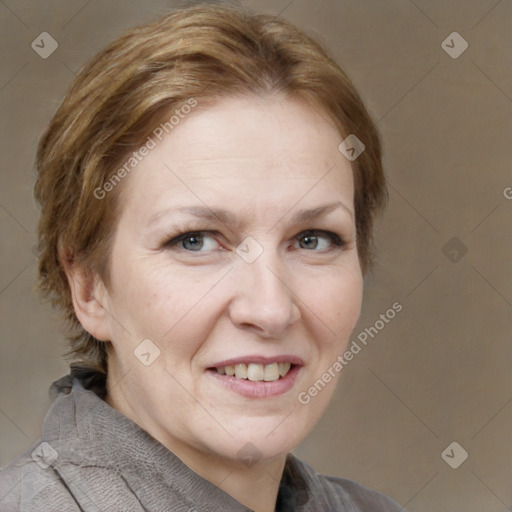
335 239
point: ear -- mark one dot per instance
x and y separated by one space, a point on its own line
90 298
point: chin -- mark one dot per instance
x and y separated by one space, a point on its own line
267 439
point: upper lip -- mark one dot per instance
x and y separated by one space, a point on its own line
258 359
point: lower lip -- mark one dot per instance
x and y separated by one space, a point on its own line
259 389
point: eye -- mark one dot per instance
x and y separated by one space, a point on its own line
204 241
193 241
312 240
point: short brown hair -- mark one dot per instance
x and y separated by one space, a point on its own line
202 52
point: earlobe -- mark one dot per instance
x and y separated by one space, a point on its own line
89 296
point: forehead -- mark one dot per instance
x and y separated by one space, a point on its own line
264 149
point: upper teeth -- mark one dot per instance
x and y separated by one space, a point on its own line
254 371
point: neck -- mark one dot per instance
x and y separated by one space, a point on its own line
254 486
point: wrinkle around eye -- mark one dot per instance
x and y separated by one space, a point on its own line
337 242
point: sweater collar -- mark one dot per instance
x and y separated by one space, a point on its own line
85 430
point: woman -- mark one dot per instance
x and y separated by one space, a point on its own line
208 189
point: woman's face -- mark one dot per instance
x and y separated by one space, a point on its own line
259 185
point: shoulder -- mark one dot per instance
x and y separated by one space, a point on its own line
363 498
333 493
29 486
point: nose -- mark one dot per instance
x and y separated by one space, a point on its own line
263 300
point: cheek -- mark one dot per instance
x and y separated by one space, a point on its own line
173 308
336 304
349 299
141 299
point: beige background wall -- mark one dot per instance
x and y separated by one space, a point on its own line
440 370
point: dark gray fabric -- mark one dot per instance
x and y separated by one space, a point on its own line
91 458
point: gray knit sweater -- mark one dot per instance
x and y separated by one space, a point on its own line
92 458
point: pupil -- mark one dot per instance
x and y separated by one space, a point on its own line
195 243
308 239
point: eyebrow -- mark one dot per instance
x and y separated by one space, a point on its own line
227 218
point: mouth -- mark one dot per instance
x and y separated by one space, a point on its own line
257 377
255 372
